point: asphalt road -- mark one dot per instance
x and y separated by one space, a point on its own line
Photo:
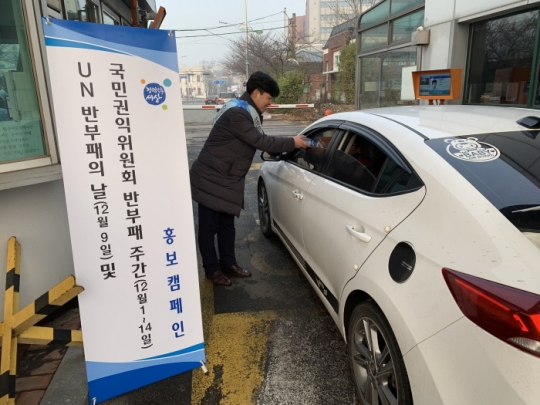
268 338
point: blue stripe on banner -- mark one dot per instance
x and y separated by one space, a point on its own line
153 45
112 386
96 370
75 44
122 35
200 346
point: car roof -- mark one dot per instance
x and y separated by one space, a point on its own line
433 121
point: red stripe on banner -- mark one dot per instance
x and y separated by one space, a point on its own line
301 105
208 106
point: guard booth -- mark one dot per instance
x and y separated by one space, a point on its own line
32 199
494 42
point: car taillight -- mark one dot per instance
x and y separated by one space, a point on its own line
507 313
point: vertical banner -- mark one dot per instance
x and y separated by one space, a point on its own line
118 110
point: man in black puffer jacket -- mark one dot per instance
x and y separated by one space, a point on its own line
218 174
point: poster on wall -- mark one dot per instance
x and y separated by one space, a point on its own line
120 127
435 84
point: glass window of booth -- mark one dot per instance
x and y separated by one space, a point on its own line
55 4
400 6
385 49
375 15
374 37
501 59
381 79
109 16
21 131
374 24
82 10
402 28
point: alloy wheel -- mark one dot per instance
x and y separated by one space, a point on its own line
264 210
372 364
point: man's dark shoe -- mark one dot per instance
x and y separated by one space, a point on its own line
237 271
219 278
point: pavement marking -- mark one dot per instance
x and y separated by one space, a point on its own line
236 354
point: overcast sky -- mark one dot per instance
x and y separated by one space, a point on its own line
197 14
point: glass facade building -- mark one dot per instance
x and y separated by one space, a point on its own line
21 130
495 43
385 48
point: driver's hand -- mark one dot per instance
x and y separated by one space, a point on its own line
299 142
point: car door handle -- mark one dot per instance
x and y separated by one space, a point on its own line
298 195
364 237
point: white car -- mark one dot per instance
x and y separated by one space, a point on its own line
419 228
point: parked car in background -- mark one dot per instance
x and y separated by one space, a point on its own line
226 97
211 99
419 229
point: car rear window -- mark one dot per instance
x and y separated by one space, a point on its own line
504 167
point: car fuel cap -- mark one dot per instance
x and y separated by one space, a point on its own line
402 262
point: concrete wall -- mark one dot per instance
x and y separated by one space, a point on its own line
37 216
441 11
447 49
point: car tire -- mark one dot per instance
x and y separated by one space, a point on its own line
265 218
375 359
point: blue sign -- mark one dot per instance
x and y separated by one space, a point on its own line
154 93
220 81
183 76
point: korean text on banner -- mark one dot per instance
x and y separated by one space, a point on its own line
122 143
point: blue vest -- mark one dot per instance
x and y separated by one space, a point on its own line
246 106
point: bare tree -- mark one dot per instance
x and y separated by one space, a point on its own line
267 52
264 53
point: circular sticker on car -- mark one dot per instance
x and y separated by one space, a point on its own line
471 150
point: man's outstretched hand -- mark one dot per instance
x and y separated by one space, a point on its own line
299 142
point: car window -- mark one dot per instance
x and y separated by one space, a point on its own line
359 163
312 158
394 178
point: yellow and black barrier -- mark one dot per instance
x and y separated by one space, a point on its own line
18 326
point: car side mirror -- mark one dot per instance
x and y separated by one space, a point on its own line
270 157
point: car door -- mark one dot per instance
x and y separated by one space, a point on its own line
289 182
364 191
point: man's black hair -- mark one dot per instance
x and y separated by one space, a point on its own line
263 82
434 81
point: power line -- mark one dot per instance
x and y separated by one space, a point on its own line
266 22
224 26
225 33
217 36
